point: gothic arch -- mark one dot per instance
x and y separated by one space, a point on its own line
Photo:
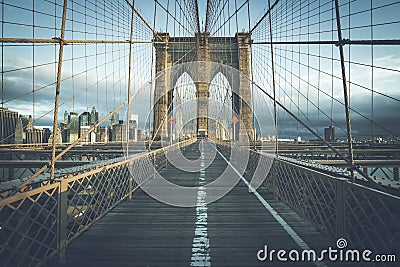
207 50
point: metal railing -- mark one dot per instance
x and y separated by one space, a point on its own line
38 223
367 218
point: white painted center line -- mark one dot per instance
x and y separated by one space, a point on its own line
201 243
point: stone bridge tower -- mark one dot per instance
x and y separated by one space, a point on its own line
231 51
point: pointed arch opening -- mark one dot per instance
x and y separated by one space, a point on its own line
220 108
182 118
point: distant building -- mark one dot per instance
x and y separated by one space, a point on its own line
64 131
84 125
35 136
133 123
19 134
66 117
24 124
140 135
102 135
84 119
109 131
135 118
27 122
8 122
73 127
133 127
83 130
119 132
330 134
20 130
46 135
114 119
58 139
94 116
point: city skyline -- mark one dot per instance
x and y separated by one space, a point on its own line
19 128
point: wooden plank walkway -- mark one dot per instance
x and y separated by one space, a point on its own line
146 232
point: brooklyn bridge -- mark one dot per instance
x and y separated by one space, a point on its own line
199 133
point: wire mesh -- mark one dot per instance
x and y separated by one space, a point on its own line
303 43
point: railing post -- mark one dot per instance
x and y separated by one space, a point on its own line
275 188
154 165
166 158
130 181
62 219
340 208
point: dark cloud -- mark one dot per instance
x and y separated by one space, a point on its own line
18 94
386 119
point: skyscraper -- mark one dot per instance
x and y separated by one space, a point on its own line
58 137
84 125
119 132
102 135
133 125
73 127
24 124
34 136
84 119
114 119
66 117
46 135
94 116
330 134
82 131
8 122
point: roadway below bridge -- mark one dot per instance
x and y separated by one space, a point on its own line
227 232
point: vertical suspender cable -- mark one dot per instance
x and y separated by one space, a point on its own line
254 130
273 78
58 85
372 74
151 79
72 61
319 64
130 72
345 91
86 65
2 75
128 112
33 62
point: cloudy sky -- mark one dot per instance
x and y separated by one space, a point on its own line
97 75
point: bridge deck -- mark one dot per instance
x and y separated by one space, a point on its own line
146 232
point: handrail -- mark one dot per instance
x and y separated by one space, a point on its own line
45 178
